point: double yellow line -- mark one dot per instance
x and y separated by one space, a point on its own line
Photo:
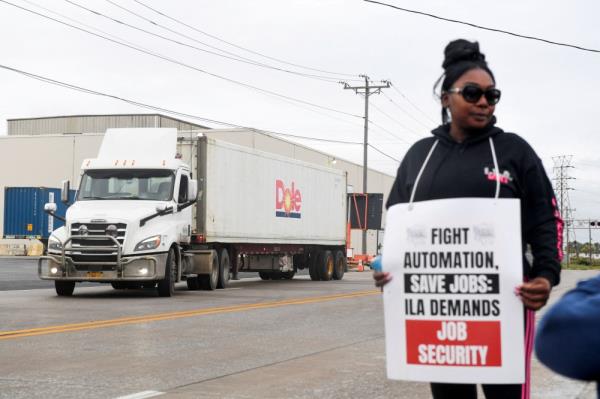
90 325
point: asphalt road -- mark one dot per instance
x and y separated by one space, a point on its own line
257 339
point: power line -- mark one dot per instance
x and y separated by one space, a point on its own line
485 28
234 56
165 58
161 109
80 23
240 47
397 121
410 102
383 153
389 132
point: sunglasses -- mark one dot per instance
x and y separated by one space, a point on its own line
472 94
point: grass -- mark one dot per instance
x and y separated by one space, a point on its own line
574 265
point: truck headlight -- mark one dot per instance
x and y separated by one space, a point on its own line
54 245
149 243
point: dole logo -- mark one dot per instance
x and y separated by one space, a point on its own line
288 200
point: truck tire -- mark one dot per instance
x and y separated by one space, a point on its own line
340 266
313 268
288 275
192 283
166 286
276 275
209 281
64 288
224 267
264 275
326 264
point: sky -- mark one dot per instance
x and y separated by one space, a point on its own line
549 92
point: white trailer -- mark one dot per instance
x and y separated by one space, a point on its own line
144 217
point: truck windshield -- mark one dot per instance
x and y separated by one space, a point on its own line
155 185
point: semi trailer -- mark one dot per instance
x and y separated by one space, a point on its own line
155 208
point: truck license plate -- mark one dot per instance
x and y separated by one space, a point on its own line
94 274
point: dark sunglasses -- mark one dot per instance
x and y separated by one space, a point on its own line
472 94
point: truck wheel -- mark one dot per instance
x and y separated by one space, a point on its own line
166 286
313 268
288 275
264 275
192 283
276 275
64 288
326 264
340 266
224 267
209 281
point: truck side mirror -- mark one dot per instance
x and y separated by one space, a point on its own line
50 207
192 190
64 192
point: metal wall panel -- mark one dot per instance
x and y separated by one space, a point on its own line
78 124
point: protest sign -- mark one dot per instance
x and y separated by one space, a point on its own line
451 314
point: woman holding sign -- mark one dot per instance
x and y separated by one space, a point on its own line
468 158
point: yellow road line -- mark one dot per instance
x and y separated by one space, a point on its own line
4 335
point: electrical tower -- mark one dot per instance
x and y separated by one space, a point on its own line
562 164
366 90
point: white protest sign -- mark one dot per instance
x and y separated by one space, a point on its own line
451 314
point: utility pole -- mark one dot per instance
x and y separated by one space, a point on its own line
562 164
590 240
367 90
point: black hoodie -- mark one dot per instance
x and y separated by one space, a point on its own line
467 170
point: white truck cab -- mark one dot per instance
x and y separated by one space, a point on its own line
132 213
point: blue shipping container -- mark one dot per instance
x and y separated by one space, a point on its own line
24 215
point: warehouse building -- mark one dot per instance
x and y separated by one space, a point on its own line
41 152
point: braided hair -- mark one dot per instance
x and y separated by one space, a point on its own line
460 56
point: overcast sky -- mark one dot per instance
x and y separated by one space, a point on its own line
550 93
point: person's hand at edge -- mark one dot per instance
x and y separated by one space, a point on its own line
534 293
381 279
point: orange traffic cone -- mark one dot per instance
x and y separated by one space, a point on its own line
360 267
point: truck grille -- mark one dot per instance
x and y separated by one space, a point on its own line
97 229
85 259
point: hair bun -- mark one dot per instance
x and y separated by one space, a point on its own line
462 50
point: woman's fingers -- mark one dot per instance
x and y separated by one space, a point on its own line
381 278
535 293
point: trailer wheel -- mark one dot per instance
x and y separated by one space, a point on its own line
264 275
313 266
326 264
64 288
209 281
166 286
340 266
224 267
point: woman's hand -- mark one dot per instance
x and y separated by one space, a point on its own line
381 278
534 293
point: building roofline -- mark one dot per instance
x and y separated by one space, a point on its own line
105 115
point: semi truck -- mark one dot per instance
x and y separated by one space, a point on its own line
156 207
